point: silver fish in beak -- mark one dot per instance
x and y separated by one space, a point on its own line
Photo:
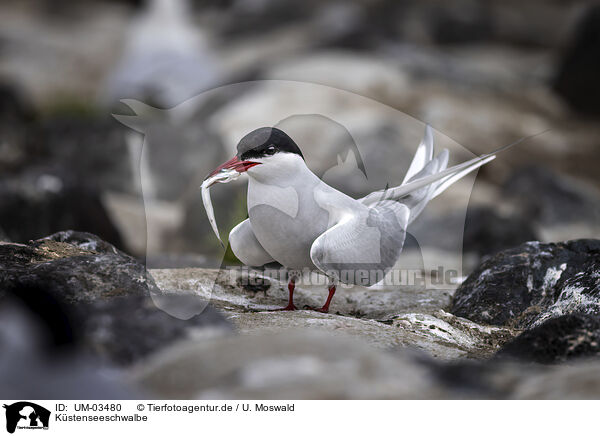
225 173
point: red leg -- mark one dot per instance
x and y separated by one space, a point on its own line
291 286
325 308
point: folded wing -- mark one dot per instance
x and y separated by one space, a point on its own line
364 245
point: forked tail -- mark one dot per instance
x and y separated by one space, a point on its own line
428 176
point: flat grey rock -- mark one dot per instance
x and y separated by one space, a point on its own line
385 319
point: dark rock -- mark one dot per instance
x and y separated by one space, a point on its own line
470 378
579 69
77 266
487 232
43 355
14 107
83 149
557 340
15 117
549 198
57 173
528 284
42 201
49 317
109 294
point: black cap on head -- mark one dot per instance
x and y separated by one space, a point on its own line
266 141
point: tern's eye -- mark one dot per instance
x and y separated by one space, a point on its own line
270 150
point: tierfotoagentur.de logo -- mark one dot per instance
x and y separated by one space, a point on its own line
24 415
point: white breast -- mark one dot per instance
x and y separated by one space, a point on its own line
286 208
286 221
284 199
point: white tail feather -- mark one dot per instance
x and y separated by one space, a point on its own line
423 155
442 177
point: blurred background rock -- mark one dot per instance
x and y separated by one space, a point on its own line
483 73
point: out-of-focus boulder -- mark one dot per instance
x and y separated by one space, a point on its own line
117 307
486 231
46 200
567 337
579 68
548 198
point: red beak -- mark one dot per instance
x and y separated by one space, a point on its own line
234 163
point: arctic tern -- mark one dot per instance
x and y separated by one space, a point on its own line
296 219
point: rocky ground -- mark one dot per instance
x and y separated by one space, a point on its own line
385 319
523 325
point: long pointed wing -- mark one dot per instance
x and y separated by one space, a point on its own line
460 170
445 183
364 245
